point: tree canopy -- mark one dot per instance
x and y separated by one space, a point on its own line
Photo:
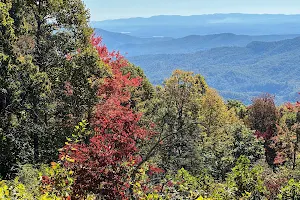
78 121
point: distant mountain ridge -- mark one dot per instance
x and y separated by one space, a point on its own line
133 46
114 40
237 72
202 19
181 26
241 55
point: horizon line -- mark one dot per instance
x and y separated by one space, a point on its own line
148 17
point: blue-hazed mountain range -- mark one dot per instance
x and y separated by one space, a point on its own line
245 55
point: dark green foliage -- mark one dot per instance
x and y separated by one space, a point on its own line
47 83
175 112
142 94
218 154
246 144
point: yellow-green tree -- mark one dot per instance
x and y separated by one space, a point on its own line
174 110
224 138
214 147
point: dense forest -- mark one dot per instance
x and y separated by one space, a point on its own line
78 121
250 65
240 73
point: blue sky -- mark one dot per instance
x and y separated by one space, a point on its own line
115 9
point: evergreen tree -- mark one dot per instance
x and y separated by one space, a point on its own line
50 72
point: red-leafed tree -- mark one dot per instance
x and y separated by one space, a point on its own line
103 165
289 133
263 117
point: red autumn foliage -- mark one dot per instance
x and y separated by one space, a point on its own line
274 185
68 89
268 134
155 170
279 159
292 107
263 116
170 184
102 166
289 106
68 57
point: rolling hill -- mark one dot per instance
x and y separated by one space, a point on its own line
134 46
237 72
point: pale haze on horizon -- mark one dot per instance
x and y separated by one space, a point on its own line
116 9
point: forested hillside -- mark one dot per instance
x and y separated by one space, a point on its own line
78 121
237 72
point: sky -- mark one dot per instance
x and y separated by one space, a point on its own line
116 9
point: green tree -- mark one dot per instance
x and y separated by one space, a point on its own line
245 143
239 108
141 95
215 147
245 180
290 191
50 71
288 134
7 34
174 110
